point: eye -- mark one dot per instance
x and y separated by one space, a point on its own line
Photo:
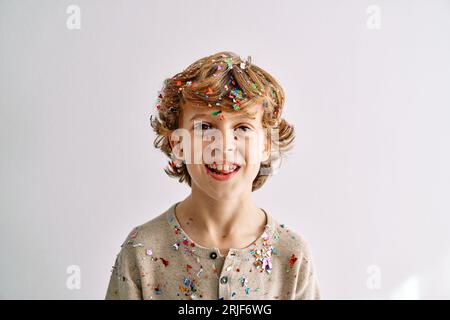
202 126
243 128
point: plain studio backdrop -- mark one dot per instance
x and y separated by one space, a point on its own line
367 89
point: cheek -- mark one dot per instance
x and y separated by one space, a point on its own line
197 149
196 170
250 148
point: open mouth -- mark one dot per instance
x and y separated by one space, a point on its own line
222 170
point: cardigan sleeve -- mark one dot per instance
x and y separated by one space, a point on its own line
307 287
125 283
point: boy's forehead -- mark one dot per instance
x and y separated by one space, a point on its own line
227 114
250 112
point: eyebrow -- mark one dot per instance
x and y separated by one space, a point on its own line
201 115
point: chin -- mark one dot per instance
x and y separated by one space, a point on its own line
222 193
223 196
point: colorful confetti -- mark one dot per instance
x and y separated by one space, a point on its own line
158 291
189 287
243 281
229 63
263 255
165 262
292 260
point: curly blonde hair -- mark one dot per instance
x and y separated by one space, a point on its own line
222 79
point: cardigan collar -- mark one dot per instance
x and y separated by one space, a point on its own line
182 242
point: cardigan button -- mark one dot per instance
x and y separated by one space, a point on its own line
224 280
213 255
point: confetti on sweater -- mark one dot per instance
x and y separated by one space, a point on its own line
134 234
292 260
165 262
189 271
263 255
243 281
158 291
189 287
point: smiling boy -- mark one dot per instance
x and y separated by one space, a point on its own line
219 122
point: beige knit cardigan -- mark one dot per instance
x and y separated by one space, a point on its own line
158 260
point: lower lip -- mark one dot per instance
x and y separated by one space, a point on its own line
221 177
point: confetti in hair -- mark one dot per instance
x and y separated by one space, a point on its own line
223 81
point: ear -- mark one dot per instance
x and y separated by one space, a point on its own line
177 149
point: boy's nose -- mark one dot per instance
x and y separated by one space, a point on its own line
229 144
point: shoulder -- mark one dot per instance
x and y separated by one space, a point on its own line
148 236
290 245
139 246
150 230
293 251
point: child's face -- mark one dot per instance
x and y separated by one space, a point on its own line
232 137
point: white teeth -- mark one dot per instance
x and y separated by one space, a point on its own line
226 168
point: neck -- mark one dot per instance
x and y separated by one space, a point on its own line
216 219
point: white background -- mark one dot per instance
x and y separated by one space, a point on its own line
367 184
